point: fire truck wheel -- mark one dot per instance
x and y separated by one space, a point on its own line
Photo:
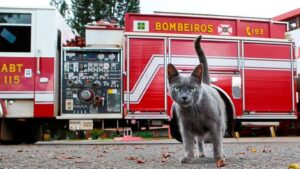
6 133
174 127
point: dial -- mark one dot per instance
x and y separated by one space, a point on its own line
101 56
86 95
112 56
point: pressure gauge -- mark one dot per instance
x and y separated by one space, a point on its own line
112 56
86 95
101 56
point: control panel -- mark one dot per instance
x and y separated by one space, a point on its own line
91 81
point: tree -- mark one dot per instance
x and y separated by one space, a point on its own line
82 14
62 6
85 11
132 6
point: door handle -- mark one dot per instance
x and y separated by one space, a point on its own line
38 60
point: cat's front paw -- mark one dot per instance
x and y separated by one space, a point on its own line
186 160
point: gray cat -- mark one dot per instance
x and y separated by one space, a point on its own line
199 108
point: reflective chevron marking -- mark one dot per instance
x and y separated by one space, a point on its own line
157 61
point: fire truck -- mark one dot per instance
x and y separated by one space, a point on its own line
119 77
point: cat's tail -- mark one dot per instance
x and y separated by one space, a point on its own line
202 59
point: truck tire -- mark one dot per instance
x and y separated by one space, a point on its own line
230 123
174 127
6 133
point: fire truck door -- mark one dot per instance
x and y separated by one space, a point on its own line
146 59
268 78
17 63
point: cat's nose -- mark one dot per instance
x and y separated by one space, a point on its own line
184 98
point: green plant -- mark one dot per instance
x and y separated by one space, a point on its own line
70 135
144 134
96 133
113 135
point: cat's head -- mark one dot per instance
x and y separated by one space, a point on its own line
185 89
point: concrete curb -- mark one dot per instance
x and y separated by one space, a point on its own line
170 141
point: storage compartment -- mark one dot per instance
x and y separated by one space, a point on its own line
19 108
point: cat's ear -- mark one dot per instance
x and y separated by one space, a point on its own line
172 72
197 73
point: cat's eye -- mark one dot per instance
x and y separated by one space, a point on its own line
176 89
193 89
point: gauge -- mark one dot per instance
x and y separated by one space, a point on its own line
112 56
101 56
106 66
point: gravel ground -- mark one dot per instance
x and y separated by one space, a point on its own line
238 155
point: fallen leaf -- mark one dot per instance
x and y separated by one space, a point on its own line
163 160
140 161
253 150
81 161
100 155
220 163
131 158
69 157
294 166
166 155
267 151
241 153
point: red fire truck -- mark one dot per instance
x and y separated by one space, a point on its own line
121 74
